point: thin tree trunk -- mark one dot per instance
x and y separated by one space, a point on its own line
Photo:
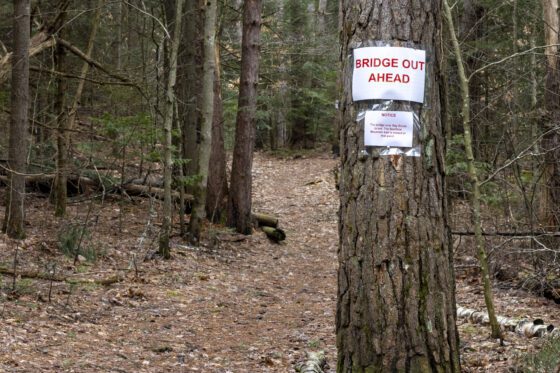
165 233
18 142
207 106
240 200
58 197
64 126
216 200
549 204
396 297
473 175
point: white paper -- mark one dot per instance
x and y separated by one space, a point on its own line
389 128
389 73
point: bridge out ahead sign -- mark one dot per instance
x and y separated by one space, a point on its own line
389 73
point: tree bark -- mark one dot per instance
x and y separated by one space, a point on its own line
189 88
240 200
18 142
549 203
207 106
60 192
216 200
396 295
165 233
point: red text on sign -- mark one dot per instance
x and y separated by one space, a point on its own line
377 62
389 78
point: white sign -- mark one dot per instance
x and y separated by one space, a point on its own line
389 128
389 73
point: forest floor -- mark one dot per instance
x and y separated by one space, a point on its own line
236 304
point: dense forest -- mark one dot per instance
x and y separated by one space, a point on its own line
190 185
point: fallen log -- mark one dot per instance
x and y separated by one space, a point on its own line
265 220
275 234
43 183
523 327
146 190
57 278
83 185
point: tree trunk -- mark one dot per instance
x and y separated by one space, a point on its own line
471 30
216 200
17 152
40 41
207 106
66 124
473 175
549 204
240 200
396 295
60 192
165 233
189 89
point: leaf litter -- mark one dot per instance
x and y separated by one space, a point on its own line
235 304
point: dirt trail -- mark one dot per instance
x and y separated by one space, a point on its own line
249 306
229 306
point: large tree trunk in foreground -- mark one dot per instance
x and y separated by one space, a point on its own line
240 202
13 223
396 303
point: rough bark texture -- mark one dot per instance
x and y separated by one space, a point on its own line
396 304
207 107
549 204
239 211
189 88
216 199
13 223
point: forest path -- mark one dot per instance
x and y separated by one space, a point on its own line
236 304
229 306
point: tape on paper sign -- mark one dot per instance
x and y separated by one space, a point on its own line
389 128
389 73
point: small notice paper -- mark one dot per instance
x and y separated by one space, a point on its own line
389 128
389 73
